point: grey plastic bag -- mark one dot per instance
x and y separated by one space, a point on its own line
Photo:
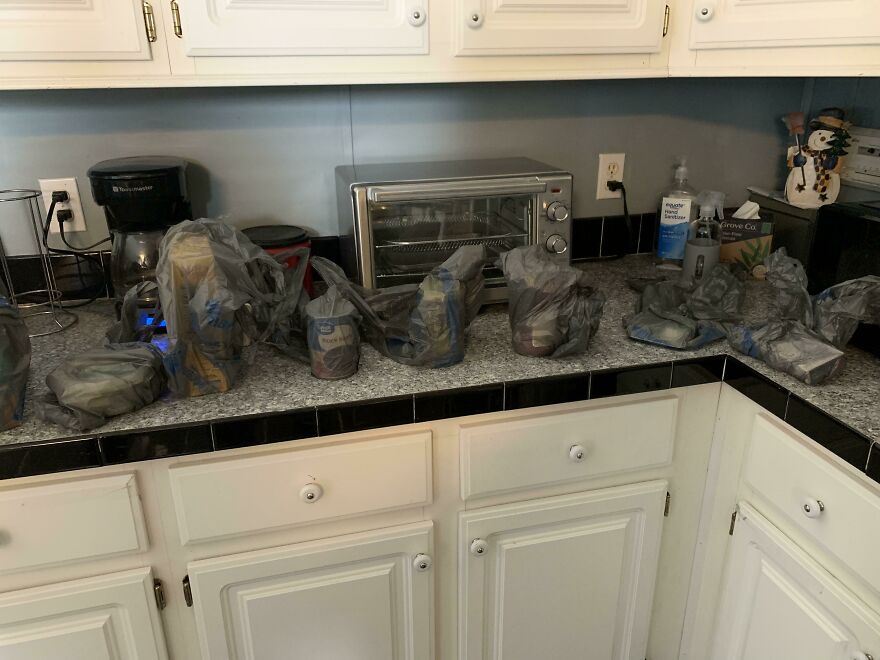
126 328
333 338
678 315
788 278
838 310
219 293
553 311
286 330
423 325
87 389
15 362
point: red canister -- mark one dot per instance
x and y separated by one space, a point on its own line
276 239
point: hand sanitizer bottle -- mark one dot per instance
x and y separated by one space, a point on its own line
704 240
677 211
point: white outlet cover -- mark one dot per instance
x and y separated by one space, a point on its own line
607 161
47 187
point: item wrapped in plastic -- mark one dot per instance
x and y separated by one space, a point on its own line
333 337
219 293
422 325
788 278
126 329
674 314
15 362
790 347
287 330
838 310
87 389
553 310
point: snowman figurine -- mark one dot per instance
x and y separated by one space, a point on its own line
814 179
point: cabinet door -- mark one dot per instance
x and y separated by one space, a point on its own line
110 617
756 23
778 602
568 578
95 30
544 27
365 596
305 27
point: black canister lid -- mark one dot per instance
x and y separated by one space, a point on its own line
274 236
137 167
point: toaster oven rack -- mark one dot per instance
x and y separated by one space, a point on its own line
501 242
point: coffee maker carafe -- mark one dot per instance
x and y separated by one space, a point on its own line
142 197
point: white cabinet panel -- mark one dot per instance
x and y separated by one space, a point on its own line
70 521
567 578
110 617
359 596
542 27
73 30
305 27
756 23
778 602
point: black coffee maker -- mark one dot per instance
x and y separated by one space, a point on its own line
142 197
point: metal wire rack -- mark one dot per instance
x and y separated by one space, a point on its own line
48 302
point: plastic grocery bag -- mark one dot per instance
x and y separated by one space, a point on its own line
788 278
87 389
553 310
423 325
333 338
838 310
219 293
15 362
676 314
126 328
286 330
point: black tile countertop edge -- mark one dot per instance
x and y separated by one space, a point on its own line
113 449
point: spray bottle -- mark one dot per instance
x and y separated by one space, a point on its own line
704 238
677 210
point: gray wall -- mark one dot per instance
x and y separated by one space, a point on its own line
266 155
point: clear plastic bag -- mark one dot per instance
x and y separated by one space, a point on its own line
553 310
15 362
333 338
422 325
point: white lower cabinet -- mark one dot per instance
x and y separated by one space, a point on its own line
109 617
366 596
778 602
568 578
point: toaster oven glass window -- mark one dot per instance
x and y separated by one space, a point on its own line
410 238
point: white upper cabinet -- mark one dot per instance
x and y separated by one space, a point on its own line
778 602
305 27
569 27
109 617
566 578
758 23
366 596
95 30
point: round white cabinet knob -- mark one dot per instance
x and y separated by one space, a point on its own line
577 453
705 12
417 17
422 562
813 508
474 20
557 211
479 547
311 493
858 655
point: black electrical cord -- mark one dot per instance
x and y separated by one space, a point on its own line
615 186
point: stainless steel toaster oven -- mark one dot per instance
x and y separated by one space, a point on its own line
397 221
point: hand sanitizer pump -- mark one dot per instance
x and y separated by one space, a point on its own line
704 238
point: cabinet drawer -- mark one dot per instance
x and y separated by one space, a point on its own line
790 475
244 495
70 521
567 446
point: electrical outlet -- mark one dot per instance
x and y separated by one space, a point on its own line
610 169
78 222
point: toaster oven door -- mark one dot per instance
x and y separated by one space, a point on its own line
414 228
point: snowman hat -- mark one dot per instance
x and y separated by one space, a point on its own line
830 119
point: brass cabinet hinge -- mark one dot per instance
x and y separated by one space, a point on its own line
666 21
187 591
666 507
159 593
175 19
149 21
732 523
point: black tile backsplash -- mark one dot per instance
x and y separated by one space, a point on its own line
586 238
757 387
851 446
458 403
632 380
546 391
149 445
294 425
365 415
647 232
697 371
30 460
873 468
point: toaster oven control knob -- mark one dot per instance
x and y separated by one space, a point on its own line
557 211
557 244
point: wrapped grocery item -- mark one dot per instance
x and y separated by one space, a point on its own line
333 338
553 310
15 362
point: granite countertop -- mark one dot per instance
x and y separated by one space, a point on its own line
275 383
